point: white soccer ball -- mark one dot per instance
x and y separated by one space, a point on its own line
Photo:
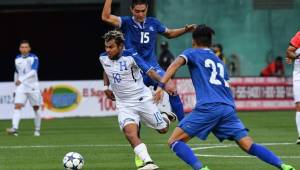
73 161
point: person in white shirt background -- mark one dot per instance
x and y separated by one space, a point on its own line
27 88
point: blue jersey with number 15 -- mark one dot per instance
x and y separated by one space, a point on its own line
142 37
209 77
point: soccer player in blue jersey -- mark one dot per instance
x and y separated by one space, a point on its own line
141 34
215 109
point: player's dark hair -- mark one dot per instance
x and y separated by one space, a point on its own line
203 35
24 42
138 2
114 35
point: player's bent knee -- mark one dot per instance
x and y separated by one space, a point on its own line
245 143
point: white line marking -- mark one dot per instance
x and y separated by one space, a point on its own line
240 156
204 146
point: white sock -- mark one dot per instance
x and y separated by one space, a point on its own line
16 118
298 122
37 120
141 151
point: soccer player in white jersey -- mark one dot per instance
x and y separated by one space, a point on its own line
27 87
293 54
134 101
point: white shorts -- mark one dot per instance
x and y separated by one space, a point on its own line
145 111
35 98
296 90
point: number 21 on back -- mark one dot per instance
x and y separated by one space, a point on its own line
213 77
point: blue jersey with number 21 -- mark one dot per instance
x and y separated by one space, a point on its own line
209 77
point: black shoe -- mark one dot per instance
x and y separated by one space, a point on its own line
171 116
298 141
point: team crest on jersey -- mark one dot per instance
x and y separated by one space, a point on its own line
151 28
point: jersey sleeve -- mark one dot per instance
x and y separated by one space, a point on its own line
101 58
295 41
186 55
160 27
35 64
140 62
124 20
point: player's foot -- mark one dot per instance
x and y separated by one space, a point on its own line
204 168
298 141
287 167
149 166
37 133
138 162
171 116
12 131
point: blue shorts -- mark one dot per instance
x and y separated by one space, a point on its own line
220 119
148 81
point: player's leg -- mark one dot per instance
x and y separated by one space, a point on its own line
177 143
35 100
230 127
177 106
194 124
19 100
129 122
298 120
152 117
175 101
261 152
296 90
138 162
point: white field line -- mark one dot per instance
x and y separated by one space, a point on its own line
205 146
239 156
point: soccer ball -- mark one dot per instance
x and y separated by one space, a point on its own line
73 161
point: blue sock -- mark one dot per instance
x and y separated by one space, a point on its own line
184 152
177 106
265 155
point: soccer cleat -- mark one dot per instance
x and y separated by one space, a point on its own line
171 116
12 131
149 166
298 141
287 167
37 133
138 162
204 168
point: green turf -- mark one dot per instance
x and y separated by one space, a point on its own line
103 146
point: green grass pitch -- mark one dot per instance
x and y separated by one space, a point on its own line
104 147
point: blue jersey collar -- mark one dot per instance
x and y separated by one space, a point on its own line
138 23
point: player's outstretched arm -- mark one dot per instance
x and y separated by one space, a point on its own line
153 75
107 16
180 61
173 33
